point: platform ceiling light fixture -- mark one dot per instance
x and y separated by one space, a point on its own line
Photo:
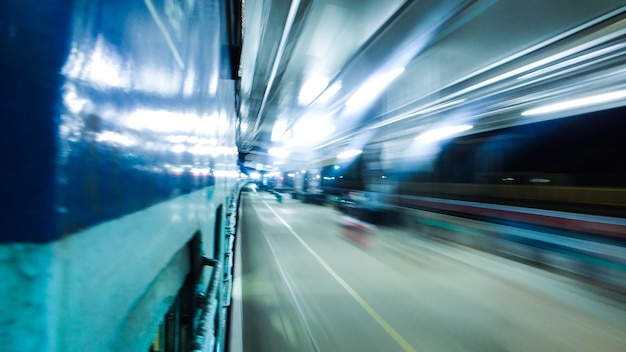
442 133
577 103
312 128
349 154
577 61
372 88
279 129
329 93
423 111
312 88
439 107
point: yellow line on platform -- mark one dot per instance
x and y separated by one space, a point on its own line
406 346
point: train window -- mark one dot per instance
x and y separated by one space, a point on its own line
584 150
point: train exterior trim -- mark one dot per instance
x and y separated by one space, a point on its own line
119 182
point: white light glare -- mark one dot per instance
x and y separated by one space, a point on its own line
577 103
349 154
574 61
200 171
200 149
372 88
74 104
442 133
179 148
116 138
104 66
164 121
439 106
311 89
177 139
312 129
329 92
278 152
255 175
280 126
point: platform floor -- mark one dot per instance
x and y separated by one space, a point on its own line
308 285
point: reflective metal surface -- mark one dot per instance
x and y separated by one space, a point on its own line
318 77
118 171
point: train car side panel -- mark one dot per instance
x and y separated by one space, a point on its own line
119 141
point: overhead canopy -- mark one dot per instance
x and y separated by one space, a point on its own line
318 78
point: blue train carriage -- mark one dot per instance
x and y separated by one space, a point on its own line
527 192
119 182
304 184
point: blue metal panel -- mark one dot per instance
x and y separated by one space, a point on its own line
33 46
108 107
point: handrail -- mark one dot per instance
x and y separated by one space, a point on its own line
204 336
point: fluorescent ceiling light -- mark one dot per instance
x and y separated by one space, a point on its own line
424 111
349 154
577 103
372 88
280 126
442 133
312 129
574 61
439 107
312 88
329 92
536 64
